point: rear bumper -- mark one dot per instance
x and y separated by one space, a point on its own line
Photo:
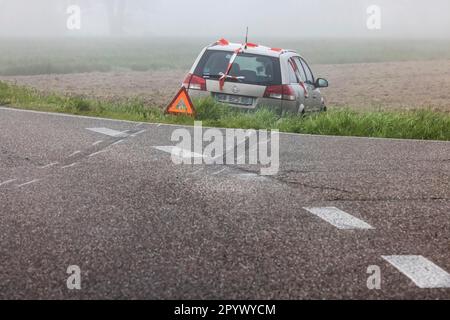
278 105
197 94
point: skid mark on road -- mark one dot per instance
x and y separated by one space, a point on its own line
219 172
340 219
424 273
197 172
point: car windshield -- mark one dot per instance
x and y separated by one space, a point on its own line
250 68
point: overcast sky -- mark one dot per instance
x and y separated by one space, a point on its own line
227 18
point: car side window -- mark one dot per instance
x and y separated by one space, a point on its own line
300 71
291 72
309 74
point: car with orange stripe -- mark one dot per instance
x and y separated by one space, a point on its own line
251 76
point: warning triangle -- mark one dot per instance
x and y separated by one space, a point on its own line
181 104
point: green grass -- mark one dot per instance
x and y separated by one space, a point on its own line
33 56
422 124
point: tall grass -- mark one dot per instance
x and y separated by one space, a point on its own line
422 124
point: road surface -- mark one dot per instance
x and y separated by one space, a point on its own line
141 227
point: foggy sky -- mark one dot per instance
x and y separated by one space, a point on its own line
227 18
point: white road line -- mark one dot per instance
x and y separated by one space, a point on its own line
117 142
109 132
27 183
138 133
75 153
4 183
250 176
96 153
178 152
424 273
97 142
49 165
338 218
219 172
69 166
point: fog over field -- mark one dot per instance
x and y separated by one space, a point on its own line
209 18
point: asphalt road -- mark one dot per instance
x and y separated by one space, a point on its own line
141 227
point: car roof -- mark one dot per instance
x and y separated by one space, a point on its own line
224 45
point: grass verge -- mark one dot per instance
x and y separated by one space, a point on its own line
421 124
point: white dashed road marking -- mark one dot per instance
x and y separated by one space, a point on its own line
4 183
339 219
96 153
178 152
424 273
27 183
138 133
109 132
69 166
97 142
118 142
75 153
49 165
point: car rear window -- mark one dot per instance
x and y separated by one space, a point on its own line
255 69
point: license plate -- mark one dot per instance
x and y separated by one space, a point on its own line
228 98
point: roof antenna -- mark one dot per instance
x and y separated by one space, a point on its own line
246 39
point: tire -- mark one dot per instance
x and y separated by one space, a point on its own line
303 112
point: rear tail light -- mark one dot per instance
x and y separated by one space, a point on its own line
194 82
282 92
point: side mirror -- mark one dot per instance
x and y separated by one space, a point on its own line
321 83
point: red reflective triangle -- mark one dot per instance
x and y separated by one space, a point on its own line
181 104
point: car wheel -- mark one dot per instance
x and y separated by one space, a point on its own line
301 110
